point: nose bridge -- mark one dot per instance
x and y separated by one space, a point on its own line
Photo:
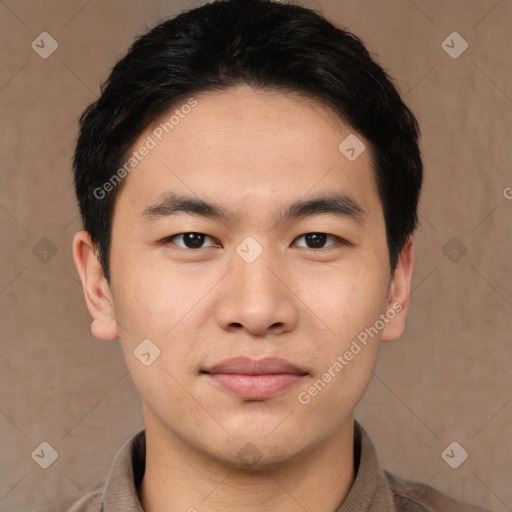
256 298
252 272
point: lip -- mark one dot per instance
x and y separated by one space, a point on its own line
254 379
248 366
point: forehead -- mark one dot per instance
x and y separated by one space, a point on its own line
240 145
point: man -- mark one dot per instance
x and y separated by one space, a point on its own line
248 183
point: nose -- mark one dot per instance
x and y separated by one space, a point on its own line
258 297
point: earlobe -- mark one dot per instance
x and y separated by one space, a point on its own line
399 294
97 293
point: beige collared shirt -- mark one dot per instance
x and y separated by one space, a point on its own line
373 490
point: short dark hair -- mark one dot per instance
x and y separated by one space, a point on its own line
266 45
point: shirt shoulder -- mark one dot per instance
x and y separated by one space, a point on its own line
87 501
117 492
411 496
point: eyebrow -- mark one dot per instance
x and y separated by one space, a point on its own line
337 204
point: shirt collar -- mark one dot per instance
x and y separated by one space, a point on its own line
120 493
369 492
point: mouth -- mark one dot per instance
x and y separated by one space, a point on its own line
254 379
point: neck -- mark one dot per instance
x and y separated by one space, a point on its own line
180 478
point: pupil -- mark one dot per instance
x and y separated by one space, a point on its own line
316 239
193 240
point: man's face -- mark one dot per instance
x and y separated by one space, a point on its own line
254 285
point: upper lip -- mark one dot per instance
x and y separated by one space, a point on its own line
248 366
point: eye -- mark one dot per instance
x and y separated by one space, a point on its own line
191 240
317 240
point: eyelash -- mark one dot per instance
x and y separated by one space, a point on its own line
168 240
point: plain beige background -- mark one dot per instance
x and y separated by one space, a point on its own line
447 379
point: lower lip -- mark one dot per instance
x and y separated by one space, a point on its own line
255 387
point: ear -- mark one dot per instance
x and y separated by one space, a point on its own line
399 294
98 296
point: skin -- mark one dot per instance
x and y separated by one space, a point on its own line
253 153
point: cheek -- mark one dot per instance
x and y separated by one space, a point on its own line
346 300
146 300
158 305
347 305
329 398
